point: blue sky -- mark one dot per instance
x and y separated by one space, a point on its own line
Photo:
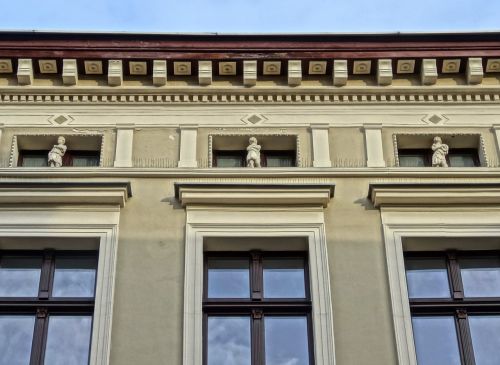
255 16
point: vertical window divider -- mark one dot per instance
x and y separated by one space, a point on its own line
46 274
41 324
456 279
257 337
465 337
256 275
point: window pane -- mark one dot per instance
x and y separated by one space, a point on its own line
228 278
427 278
229 161
436 340
20 276
481 276
68 340
35 160
461 160
411 161
85 161
485 332
228 340
286 340
279 161
284 278
74 276
16 334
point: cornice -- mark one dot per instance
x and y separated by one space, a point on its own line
98 193
253 194
244 96
381 174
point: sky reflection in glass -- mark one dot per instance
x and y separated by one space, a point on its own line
427 278
481 277
284 278
16 335
68 340
228 278
485 332
74 277
436 340
19 276
286 340
228 341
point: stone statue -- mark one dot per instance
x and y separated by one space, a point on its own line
253 153
57 152
440 152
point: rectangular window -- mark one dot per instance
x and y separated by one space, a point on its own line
38 158
267 159
457 157
46 306
455 305
257 309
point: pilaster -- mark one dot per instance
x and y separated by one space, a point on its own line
321 145
189 136
374 147
124 145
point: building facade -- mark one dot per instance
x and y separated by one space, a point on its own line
249 199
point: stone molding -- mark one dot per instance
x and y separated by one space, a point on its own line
254 194
344 95
256 222
434 194
65 193
425 222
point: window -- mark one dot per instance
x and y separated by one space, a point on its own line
46 306
457 157
455 306
267 159
38 158
257 309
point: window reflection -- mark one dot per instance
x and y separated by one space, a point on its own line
74 277
286 340
284 278
481 277
16 336
485 332
20 276
427 278
436 340
68 340
228 341
228 278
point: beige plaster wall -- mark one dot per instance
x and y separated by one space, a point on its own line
347 147
156 147
147 326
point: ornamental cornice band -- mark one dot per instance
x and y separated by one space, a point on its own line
490 95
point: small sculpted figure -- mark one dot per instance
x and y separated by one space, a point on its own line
440 152
57 152
253 153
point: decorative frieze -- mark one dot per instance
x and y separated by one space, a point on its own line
204 72
5 66
70 72
451 66
493 65
321 145
138 68
249 73
474 71
159 72
374 145
47 66
362 67
124 145
428 72
25 71
271 68
115 73
340 72
182 68
294 72
93 67
227 68
405 67
188 143
317 67
384 72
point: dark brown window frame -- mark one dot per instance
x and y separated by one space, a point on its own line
67 158
44 304
263 155
256 306
457 305
426 153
